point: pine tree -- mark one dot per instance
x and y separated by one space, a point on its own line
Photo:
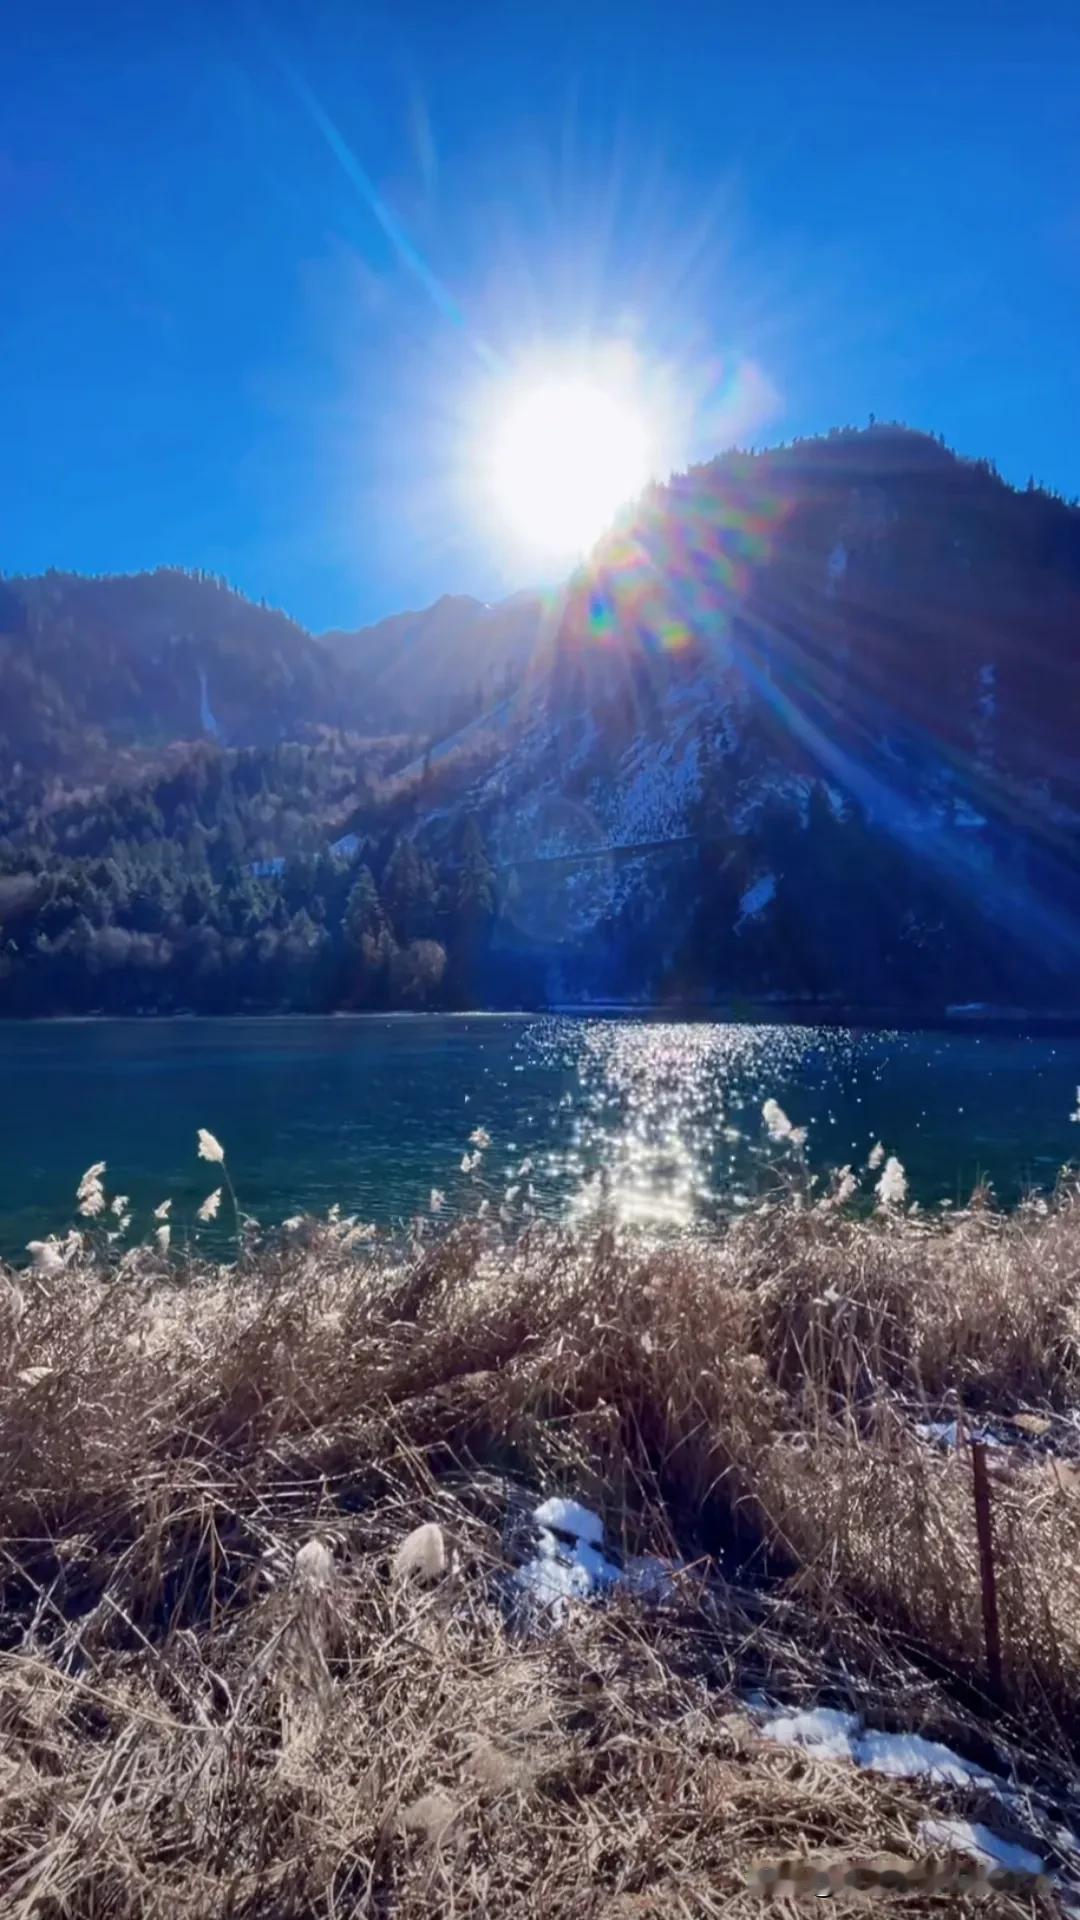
474 895
408 890
363 917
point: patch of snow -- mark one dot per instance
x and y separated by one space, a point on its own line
652 794
567 1516
571 1563
346 846
552 1578
595 1567
964 815
755 900
821 1730
267 869
790 789
835 1735
941 1835
558 1573
944 1433
645 798
908 1756
1065 1839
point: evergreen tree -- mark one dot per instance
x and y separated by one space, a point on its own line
364 917
408 890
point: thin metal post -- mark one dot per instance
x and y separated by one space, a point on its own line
984 1530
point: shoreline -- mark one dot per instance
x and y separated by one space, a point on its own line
787 1013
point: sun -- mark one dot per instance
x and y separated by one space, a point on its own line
566 452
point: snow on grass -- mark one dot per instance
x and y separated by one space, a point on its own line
824 1731
568 1516
908 1756
571 1562
834 1735
830 1734
948 1835
945 1433
559 1573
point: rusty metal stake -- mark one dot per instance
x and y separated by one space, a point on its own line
984 1530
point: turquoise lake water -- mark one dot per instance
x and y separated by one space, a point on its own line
658 1122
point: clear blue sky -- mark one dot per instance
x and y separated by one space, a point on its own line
257 258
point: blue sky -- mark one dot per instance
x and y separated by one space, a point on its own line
260 260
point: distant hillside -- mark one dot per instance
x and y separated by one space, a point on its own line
135 662
433 671
803 728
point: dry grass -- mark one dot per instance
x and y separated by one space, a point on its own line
191 1722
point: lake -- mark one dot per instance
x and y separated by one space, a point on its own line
660 1121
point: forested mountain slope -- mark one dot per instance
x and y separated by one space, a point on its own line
93 668
804 726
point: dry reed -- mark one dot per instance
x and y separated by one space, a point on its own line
216 1698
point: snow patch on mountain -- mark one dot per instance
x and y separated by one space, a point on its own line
555 799
653 800
755 900
965 815
791 790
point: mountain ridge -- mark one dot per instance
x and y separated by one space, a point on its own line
436 667
802 725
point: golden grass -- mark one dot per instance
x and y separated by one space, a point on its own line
193 1721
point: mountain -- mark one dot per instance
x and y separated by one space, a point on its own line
802 728
434 670
811 717
93 668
